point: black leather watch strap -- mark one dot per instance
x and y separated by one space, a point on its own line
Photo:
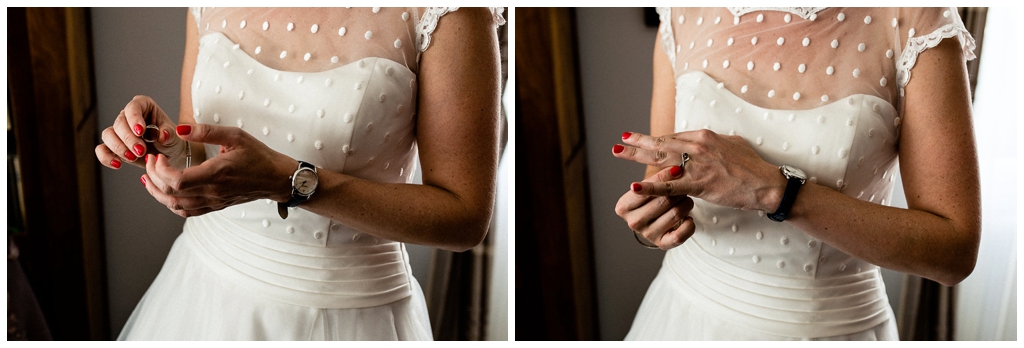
788 198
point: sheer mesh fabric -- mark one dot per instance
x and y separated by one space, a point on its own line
803 58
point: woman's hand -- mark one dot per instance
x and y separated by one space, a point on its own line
245 170
722 169
122 142
663 220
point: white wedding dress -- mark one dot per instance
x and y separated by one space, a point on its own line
333 87
819 89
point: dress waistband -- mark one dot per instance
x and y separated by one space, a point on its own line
793 307
303 275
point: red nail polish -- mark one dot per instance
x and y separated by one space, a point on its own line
139 149
115 163
676 170
625 135
184 129
167 135
636 187
618 148
137 129
146 158
128 155
143 179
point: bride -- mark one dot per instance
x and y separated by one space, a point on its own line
776 135
299 134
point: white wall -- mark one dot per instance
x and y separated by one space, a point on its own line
616 53
140 51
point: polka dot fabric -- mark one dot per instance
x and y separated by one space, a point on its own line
819 89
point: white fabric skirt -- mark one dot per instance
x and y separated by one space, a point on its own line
190 301
696 297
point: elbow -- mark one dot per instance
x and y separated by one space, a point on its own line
963 263
471 231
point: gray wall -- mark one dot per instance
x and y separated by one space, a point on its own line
615 57
140 51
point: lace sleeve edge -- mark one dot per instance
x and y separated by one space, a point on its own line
197 12
667 37
916 45
432 15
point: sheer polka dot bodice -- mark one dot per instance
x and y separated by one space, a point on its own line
334 87
818 89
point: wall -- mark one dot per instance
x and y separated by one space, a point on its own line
615 50
140 51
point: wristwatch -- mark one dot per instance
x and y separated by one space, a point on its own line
304 182
796 178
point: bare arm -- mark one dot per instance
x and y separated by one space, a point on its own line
663 109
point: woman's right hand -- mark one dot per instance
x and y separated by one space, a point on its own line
122 142
663 220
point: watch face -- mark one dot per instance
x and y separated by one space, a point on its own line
791 172
305 181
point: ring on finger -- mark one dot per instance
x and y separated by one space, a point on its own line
686 158
648 246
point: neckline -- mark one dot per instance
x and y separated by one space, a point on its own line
231 44
713 83
803 12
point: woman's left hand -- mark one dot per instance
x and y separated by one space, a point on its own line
722 169
245 170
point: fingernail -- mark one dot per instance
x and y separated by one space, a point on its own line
137 129
676 170
146 158
184 129
636 187
115 163
143 179
128 155
139 149
618 148
625 135
166 136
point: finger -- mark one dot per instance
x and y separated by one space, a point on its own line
648 157
140 109
678 235
107 158
678 187
177 204
133 143
172 180
211 134
114 143
641 218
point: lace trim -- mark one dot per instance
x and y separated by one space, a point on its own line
804 12
916 45
197 12
427 25
667 38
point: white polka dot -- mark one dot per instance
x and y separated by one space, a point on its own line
777 66
910 33
785 146
867 20
788 18
368 34
241 25
290 137
216 118
398 43
291 26
291 108
729 42
700 20
328 82
239 123
284 54
277 77
348 118
841 17
266 25
341 31
801 68
241 95
856 72
796 96
318 145
824 97
882 82
266 102
830 70
725 64
780 41
266 131
376 9
753 40
405 16
710 42
224 24
704 64
894 22
835 43
843 152
888 54
756 259
735 20
382 97
759 141
750 65
771 94
713 103
718 20
306 57
821 118
258 49
807 41
315 28
861 47
227 64
290 230
345 148
358 86
298 79
743 89
760 18
216 89
320 113
334 59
